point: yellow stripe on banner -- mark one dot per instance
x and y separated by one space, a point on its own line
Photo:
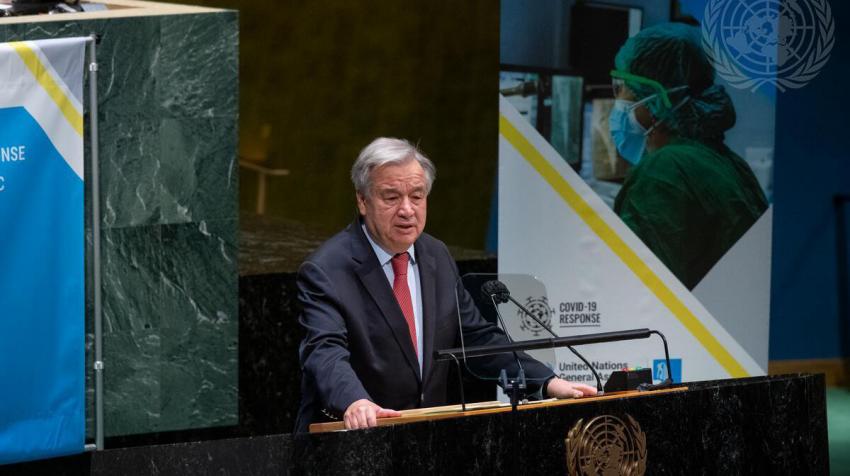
42 75
620 248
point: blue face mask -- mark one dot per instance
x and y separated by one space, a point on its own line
628 134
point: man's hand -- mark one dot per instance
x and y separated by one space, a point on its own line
364 414
558 388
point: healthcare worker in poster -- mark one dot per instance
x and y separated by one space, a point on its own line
687 196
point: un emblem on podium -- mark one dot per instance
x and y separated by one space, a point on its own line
606 445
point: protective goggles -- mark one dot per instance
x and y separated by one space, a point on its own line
619 78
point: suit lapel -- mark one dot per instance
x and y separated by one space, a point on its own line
427 280
375 281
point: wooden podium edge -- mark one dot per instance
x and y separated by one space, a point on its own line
486 408
115 9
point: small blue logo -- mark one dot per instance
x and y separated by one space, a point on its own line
659 370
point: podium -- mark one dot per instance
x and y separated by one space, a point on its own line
759 425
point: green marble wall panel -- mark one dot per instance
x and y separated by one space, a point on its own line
198 167
127 80
200 327
130 172
132 288
167 112
132 383
200 84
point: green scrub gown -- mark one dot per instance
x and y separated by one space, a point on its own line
689 203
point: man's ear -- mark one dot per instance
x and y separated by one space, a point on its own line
361 204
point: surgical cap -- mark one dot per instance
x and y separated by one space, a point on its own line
672 54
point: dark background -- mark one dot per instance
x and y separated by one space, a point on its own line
325 78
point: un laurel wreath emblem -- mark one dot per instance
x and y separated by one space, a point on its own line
780 42
606 446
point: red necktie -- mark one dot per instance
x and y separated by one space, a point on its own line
402 293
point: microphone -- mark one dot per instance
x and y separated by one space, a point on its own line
495 291
499 293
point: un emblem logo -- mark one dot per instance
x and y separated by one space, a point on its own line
606 445
780 42
540 308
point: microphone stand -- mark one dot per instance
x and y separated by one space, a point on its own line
512 387
667 381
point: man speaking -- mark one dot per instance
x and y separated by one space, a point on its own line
379 298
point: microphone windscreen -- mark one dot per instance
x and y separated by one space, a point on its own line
496 290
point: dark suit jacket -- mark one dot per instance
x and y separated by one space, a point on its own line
357 343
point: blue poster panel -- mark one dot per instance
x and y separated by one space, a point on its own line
42 295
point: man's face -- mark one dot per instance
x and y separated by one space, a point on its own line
396 205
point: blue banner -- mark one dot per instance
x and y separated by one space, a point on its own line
42 300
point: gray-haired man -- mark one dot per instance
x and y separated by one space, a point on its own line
379 297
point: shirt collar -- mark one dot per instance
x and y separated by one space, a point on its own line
383 256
